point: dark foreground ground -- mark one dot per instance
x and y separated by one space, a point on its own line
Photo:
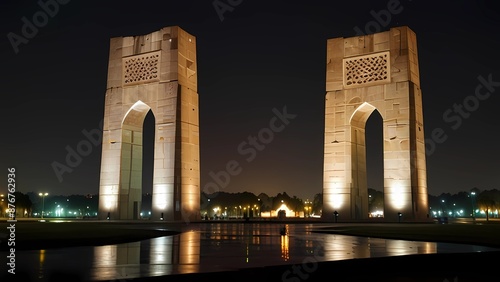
435 267
430 267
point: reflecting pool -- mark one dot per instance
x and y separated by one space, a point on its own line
218 247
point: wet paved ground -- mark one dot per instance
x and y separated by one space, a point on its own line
213 247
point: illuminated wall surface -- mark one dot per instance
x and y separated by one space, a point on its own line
155 72
376 72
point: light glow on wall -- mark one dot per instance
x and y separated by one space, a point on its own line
192 192
160 198
109 197
397 195
337 201
336 198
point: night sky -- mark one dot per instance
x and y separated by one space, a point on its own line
255 57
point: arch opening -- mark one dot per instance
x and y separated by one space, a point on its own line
148 152
390 84
131 161
375 164
360 198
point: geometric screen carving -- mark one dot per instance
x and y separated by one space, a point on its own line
367 69
141 68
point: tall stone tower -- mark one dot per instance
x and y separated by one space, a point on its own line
155 72
367 73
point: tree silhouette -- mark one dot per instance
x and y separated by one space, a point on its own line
375 200
317 204
23 204
488 200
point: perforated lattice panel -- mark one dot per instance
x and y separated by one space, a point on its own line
141 68
366 70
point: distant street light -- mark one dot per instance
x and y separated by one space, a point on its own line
43 195
472 194
1 205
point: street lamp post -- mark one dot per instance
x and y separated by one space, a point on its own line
260 207
43 195
1 205
472 194
442 207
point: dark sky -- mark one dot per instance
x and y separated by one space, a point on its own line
262 55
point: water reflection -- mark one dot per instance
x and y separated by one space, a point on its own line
42 261
285 247
158 256
219 247
338 247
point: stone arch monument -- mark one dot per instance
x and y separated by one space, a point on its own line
376 72
155 72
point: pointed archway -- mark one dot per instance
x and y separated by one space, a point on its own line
155 72
131 159
364 73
